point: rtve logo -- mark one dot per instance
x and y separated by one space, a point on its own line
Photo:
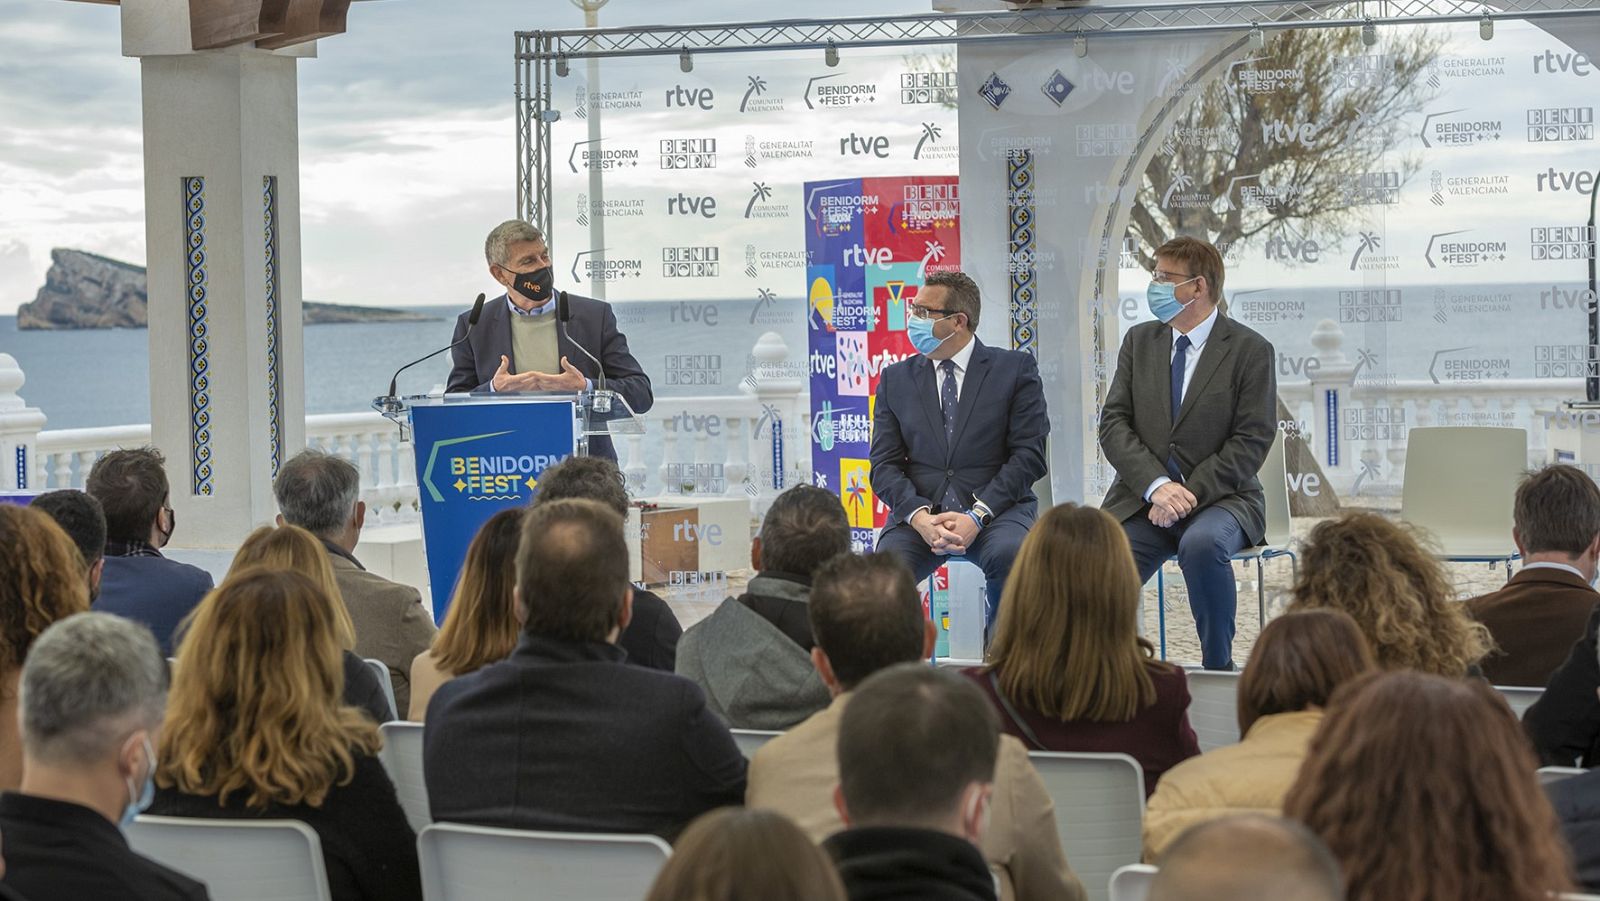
1552 63
703 205
864 145
680 96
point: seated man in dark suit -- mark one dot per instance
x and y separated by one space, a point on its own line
957 440
137 581
563 735
917 749
94 690
651 638
518 345
1187 423
81 517
752 655
1537 616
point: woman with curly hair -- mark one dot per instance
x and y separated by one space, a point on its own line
256 729
1379 571
733 853
1424 788
42 580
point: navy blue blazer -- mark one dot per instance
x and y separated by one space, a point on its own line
155 591
998 451
593 326
566 736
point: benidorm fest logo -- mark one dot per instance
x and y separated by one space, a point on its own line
484 477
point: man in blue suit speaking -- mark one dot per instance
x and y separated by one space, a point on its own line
957 440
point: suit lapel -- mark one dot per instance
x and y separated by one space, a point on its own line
495 323
925 385
1216 350
971 384
1164 337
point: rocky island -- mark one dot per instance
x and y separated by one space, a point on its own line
85 290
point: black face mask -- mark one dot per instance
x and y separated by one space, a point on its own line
534 285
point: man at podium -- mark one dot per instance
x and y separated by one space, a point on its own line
519 344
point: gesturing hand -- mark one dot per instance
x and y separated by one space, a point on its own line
569 379
504 380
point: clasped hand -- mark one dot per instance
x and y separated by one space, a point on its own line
568 379
1170 503
945 533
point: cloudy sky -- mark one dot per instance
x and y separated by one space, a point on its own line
407 144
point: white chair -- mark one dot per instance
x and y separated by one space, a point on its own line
1214 707
1577 897
385 679
751 740
477 863
1275 485
1099 801
1549 774
1519 698
238 860
1132 882
401 756
1459 485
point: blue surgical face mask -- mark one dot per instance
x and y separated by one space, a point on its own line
1163 301
139 800
920 331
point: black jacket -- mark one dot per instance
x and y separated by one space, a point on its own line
1577 804
367 846
363 690
883 863
565 736
651 638
1565 722
58 850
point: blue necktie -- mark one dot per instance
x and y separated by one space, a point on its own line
947 401
1180 360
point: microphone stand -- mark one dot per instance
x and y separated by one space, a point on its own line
389 405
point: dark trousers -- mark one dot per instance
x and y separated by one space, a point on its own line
1204 543
993 550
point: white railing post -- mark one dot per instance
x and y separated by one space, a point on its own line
635 469
19 430
1330 393
777 389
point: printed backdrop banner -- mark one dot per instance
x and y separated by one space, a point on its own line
475 459
869 242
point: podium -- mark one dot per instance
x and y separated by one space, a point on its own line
478 454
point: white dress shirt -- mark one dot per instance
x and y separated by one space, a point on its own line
1550 565
1197 343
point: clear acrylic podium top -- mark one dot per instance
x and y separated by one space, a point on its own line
599 412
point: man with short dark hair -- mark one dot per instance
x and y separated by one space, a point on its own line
563 735
651 638
1248 857
137 581
81 517
93 693
917 749
867 617
752 655
321 493
1537 616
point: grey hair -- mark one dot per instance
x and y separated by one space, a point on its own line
963 294
317 492
511 231
90 679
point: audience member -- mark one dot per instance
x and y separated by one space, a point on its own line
1248 857
93 693
752 655
563 734
1068 670
1537 616
732 854
1294 668
1565 722
1424 789
81 517
41 581
1577 803
866 616
651 638
1376 570
321 493
917 749
293 549
481 626
137 581
255 729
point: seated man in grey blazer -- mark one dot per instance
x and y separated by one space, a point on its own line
321 493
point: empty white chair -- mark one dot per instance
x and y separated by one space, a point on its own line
238 860
401 756
1132 882
1459 485
1549 774
385 679
477 863
1519 698
1099 801
1213 707
751 740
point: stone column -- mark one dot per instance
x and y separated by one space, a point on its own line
19 431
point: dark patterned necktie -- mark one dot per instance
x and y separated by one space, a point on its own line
947 401
1180 360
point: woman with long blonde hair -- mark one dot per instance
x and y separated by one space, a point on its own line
1067 669
1380 572
481 626
256 729
288 548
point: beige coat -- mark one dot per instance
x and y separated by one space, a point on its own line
1249 777
391 623
795 774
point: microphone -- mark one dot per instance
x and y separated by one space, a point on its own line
472 320
564 316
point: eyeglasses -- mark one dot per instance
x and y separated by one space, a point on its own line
921 312
1170 278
